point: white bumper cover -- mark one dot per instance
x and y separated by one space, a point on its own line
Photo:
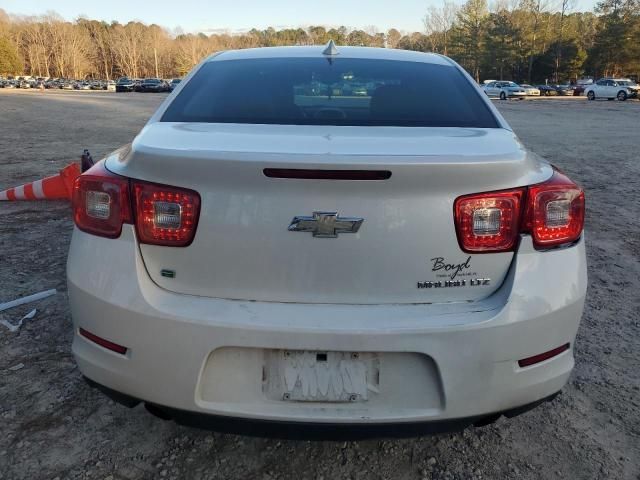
437 362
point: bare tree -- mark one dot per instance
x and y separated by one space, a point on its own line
565 6
438 22
535 9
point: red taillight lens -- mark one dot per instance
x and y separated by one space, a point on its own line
165 215
101 202
555 212
552 212
488 221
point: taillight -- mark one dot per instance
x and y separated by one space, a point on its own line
488 222
163 215
552 212
555 212
101 202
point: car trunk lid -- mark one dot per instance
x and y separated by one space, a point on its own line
405 250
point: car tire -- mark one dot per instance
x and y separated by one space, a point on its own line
591 95
503 96
622 95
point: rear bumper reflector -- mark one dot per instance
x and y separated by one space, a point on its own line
327 174
114 347
541 357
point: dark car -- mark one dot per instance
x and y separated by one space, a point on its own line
174 83
154 85
581 86
547 90
125 84
564 90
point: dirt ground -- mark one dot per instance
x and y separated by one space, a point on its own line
52 425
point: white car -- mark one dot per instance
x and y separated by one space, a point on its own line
266 253
611 88
530 90
504 90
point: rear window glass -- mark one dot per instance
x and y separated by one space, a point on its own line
343 91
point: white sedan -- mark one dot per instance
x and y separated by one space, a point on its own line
504 90
273 255
611 88
530 90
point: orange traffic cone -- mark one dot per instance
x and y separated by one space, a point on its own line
58 187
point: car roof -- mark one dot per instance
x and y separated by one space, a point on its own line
343 52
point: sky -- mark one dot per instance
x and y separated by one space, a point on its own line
239 15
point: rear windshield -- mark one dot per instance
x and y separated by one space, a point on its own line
343 91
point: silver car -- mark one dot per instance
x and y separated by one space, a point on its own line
504 90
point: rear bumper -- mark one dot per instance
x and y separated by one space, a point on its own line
314 430
440 363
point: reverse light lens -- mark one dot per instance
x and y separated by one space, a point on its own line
98 204
486 221
167 214
558 213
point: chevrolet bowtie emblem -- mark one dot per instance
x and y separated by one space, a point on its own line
325 224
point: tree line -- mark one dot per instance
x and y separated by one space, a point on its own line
521 40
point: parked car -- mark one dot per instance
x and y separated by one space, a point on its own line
611 88
547 90
402 264
153 85
174 83
565 89
581 86
504 90
125 84
137 87
530 90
